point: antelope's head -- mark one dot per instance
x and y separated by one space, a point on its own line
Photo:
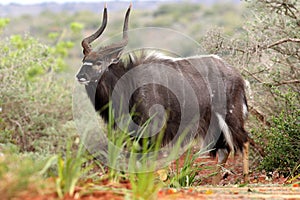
96 62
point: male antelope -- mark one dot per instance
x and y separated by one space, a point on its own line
104 67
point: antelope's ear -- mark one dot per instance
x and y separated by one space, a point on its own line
115 55
131 58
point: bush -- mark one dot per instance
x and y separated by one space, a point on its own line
35 107
267 54
282 150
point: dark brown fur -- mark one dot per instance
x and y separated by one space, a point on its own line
148 95
217 96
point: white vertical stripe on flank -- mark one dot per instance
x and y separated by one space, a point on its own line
245 111
227 133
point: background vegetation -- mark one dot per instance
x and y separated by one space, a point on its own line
40 55
267 54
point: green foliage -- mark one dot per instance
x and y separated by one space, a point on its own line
177 10
145 185
76 27
274 71
267 54
283 138
16 176
36 104
3 23
169 14
53 35
61 50
185 176
70 170
27 172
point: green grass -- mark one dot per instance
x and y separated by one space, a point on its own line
20 173
185 176
70 169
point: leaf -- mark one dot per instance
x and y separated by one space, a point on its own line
163 174
296 185
209 192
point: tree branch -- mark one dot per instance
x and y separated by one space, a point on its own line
257 147
251 74
259 116
296 40
287 82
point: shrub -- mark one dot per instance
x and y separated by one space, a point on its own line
36 104
282 150
266 52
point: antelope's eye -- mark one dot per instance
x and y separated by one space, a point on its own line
98 63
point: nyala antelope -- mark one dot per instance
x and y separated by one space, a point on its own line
103 68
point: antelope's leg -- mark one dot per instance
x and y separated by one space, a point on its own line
222 158
246 162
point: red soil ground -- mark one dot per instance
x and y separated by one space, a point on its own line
261 186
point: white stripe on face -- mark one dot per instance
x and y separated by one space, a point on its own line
88 63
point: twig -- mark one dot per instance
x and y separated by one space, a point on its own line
259 116
257 147
287 82
284 41
253 75
23 139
